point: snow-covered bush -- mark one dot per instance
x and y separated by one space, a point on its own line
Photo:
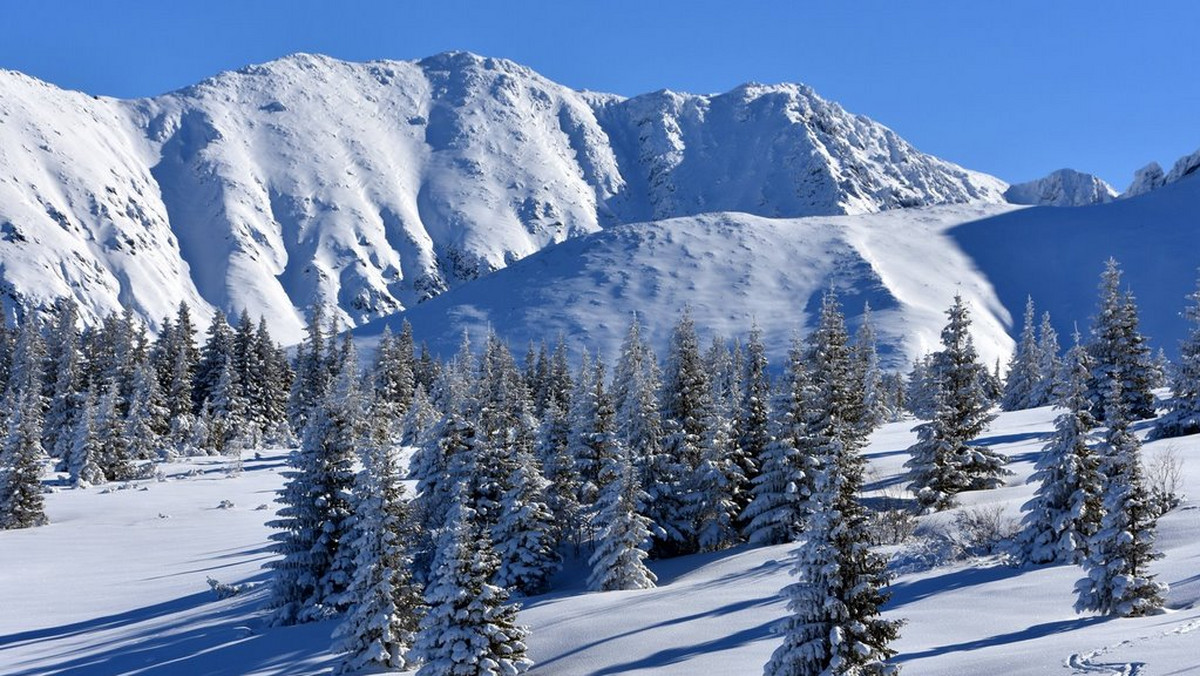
1164 478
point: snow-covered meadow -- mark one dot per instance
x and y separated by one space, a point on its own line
118 584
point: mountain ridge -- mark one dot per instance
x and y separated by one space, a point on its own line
379 185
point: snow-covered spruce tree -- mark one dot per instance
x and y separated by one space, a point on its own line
21 502
1065 511
225 412
834 626
778 508
524 536
82 460
921 391
1024 369
1119 351
147 421
688 417
312 572
717 479
392 375
64 358
21 458
216 351
943 461
635 389
618 561
469 628
562 493
1117 580
385 602
591 423
752 421
175 358
276 384
114 457
1183 408
1049 364
865 361
311 369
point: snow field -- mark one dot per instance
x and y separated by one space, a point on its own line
112 587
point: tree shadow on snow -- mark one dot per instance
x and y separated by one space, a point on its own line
1027 634
194 634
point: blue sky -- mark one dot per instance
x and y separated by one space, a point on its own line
1015 89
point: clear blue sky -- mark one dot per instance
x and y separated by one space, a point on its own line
1015 89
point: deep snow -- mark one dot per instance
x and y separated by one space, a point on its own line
116 584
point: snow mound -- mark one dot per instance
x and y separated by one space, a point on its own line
1062 188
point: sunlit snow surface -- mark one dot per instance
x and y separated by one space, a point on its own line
117 584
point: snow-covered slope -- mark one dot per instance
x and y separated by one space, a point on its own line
117 585
378 185
733 269
1062 188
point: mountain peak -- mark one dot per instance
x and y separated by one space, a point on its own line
1062 188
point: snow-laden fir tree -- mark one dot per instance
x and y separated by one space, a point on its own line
524 536
623 541
591 423
21 458
834 625
21 502
64 358
1118 580
920 392
635 389
778 507
82 459
1183 408
311 369
1048 365
753 421
312 572
562 493
147 421
1024 369
688 417
385 603
1065 511
717 479
1119 351
865 361
114 455
470 628
944 462
225 414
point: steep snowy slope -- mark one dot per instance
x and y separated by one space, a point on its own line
1062 188
378 185
732 270
80 211
1056 255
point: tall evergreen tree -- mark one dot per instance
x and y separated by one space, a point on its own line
753 421
943 461
1119 351
835 625
147 423
1065 511
777 512
635 390
21 502
115 458
385 602
1048 365
1024 369
623 540
314 521
470 627
66 372
311 369
1117 580
82 461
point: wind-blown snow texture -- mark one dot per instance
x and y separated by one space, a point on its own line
378 185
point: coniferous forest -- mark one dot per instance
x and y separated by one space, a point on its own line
426 497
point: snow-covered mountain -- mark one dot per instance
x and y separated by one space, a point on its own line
1151 177
736 269
1062 188
379 185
